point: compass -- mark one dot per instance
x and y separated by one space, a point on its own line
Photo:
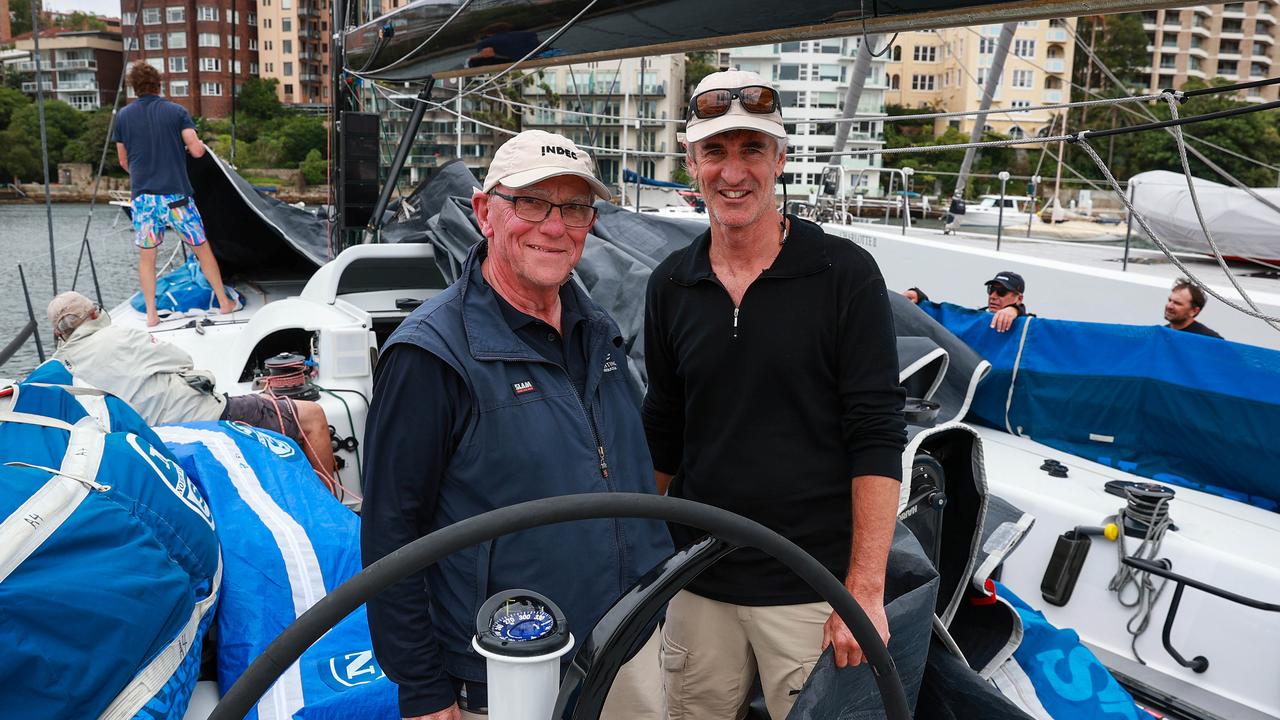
521 623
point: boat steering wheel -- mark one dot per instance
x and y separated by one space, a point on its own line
727 531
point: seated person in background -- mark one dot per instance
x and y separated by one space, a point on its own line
915 295
157 379
1004 298
1185 302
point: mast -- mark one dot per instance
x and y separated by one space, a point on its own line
44 140
861 71
988 92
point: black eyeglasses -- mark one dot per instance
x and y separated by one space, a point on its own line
999 290
757 99
532 209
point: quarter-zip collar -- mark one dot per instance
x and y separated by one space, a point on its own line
802 254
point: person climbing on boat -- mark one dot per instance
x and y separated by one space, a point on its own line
158 380
1004 299
510 385
773 393
1185 302
153 137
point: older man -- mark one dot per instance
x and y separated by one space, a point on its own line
773 393
1004 299
511 385
158 380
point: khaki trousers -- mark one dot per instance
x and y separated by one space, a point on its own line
711 651
637 690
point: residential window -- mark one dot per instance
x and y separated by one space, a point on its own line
288 69
897 53
253 43
233 42
288 89
177 64
1170 41
150 16
157 63
922 82
986 45
233 17
788 72
235 66
177 40
211 89
153 41
925 53
286 4
209 40
252 19
131 43
1193 63
175 14
1024 48
1168 61
210 64
1258 70
179 88
253 67
128 19
1228 68
1260 49
207 12
266 44
981 78
286 24
1022 78
266 23
286 46
1020 104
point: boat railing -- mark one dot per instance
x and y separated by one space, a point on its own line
29 330
14 187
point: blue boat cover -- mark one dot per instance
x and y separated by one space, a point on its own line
1173 406
287 542
1068 680
109 564
182 289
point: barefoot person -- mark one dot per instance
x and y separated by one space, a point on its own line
151 136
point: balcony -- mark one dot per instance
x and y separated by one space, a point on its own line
309 77
1202 10
30 87
1055 65
1199 52
1261 59
1264 38
1229 55
1202 31
306 11
80 86
1233 10
1265 18
76 65
1057 34
653 90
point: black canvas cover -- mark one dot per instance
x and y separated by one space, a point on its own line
253 234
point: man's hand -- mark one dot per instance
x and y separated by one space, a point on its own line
450 713
1003 318
847 651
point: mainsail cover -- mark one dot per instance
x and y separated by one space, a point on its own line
1241 225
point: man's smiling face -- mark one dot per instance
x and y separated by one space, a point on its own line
736 171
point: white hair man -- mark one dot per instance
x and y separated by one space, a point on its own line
773 392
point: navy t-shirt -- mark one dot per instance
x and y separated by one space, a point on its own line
151 130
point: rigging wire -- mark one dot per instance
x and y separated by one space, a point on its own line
550 39
404 58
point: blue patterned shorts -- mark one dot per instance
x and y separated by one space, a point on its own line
153 213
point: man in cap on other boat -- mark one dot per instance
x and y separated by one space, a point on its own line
511 385
153 137
1004 299
773 393
159 381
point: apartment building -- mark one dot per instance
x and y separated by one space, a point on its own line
293 48
1234 41
200 48
650 90
81 68
813 78
945 70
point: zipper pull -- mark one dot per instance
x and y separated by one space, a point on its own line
735 322
604 464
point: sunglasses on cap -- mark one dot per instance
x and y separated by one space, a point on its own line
757 99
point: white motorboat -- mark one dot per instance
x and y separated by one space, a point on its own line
995 210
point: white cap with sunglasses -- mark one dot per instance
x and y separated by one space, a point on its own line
536 155
733 100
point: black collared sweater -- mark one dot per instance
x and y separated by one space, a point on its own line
769 409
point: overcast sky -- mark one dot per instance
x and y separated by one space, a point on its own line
110 8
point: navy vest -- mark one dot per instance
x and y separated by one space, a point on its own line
531 436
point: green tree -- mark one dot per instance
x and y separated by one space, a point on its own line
63 124
301 134
257 98
87 147
11 100
314 168
20 16
79 20
20 159
697 65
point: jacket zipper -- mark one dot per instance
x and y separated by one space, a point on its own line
735 321
591 424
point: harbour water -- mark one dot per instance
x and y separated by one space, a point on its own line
24 240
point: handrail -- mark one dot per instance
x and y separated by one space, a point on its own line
906 202
1198 663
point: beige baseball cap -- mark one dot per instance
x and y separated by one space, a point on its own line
736 118
71 306
535 155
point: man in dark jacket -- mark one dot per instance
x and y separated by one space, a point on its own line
773 392
511 385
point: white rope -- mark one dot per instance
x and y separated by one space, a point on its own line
1142 221
1017 363
1148 593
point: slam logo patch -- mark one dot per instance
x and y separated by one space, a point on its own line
523 387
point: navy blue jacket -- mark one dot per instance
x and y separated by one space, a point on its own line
530 434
